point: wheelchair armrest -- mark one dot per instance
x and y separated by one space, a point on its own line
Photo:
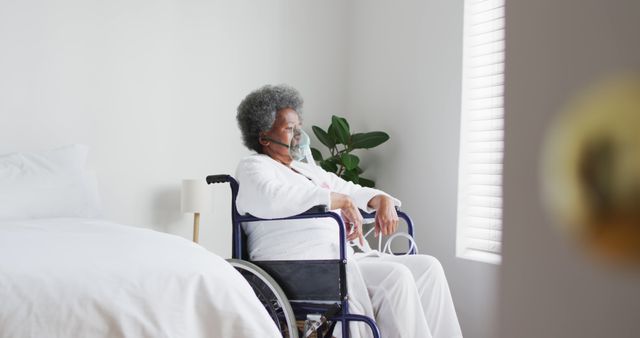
320 211
316 209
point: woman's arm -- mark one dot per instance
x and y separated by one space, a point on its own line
350 214
361 195
369 199
266 194
386 215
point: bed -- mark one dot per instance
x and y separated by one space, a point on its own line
66 273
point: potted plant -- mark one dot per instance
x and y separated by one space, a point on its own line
341 142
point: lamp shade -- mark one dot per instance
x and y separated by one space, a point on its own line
195 196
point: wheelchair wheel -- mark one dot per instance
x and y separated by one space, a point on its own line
271 295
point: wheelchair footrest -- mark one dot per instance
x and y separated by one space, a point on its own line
309 280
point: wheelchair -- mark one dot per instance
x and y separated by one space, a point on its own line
294 291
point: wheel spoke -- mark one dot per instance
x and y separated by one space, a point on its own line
270 295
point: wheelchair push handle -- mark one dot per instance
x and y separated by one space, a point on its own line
212 179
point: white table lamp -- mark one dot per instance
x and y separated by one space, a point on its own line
195 199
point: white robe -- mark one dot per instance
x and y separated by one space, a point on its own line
408 296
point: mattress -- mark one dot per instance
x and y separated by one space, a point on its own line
72 277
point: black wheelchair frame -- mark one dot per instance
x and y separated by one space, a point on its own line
310 285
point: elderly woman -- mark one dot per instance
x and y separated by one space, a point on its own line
407 295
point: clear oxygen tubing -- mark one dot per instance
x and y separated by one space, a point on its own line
387 246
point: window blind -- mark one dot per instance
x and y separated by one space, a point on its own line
479 223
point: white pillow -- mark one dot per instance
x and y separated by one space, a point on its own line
71 158
46 184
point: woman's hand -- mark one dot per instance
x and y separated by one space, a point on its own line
355 232
350 214
386 215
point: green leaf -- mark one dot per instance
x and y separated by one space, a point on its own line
368 140
350 175
329 166
365 182
341 128
331 131
342 120
323 137
341 161
317 155
350 161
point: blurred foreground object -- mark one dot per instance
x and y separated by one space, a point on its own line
592 168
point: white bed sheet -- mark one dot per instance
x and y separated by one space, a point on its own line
71 277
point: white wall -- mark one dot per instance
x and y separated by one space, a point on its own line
550 288
405 78
152 87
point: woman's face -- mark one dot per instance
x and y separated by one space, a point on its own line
281 133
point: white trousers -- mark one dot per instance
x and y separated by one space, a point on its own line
408 296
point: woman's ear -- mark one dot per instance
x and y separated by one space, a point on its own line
263 139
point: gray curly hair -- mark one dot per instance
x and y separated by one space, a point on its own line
257 111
